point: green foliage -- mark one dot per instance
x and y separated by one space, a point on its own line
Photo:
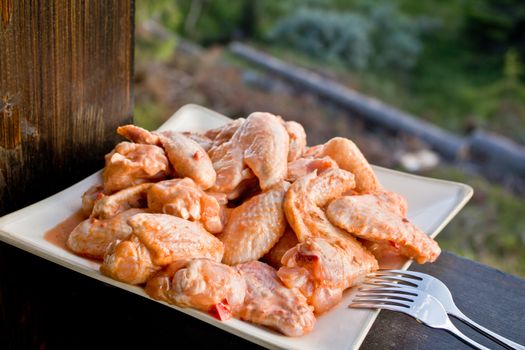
492 27
217 21
378 36
491 228
326 35
156 24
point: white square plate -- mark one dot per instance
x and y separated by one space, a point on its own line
432 204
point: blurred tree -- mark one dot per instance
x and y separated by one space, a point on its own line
219 21
156 23
492 27
378 36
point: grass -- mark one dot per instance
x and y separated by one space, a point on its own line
491 228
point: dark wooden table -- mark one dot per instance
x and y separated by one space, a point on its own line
45 306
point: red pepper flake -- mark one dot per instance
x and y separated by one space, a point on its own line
221 311
393 244
197 155
405 220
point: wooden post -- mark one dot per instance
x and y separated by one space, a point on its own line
65 85
66 71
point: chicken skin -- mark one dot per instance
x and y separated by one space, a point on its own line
158 240
307 196
254 227
327 261
138 135
92 236
297 143
322 269
224 133
228 162
367 217
131 164
203 141
202 284
89 197
106 207
188 159
265 143
269 303
302 166
183 198
349 157
286 242
186 156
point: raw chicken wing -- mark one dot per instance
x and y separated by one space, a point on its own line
323 268
275 255
158 240
92 236
89 197
269 303
188 159
106 207
224 133
297 140
131 164
254 227
265 143
323 247
202 284
302 166
227 159
203 141
183 198
138 135
367 217
349 157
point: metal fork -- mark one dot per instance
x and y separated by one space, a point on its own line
433 286
418 304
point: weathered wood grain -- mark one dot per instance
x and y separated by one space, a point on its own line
65 85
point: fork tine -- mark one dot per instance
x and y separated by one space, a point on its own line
395 290
380 300
397 279
409 274
380 284
388 306
384 296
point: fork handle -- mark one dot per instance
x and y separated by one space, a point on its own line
452 329
488 333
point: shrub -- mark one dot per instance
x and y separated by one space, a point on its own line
380 36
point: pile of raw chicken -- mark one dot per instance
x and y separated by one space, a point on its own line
244 220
